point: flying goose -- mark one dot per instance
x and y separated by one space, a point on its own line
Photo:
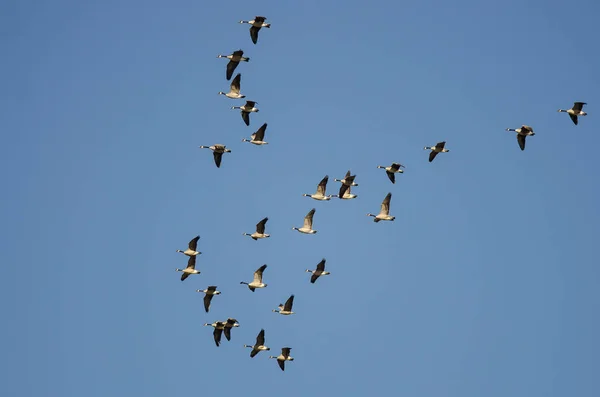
246 109
260 230
210 292
346 183
347 194
234 60
229 324
234 89
522 133
219 326
575 111
308 221
257 282
392 170
259 345
384 214
283 357
286 309
257 23
218 151
319 272
190 269
192 245
258 136
320 194
438 148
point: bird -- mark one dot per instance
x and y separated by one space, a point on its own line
258 137
438 148
210 292
575 111
384 214
257 281
190 269
192 246
257 23
234 89
283 357
286 309
346 183
347 194
260 230
308 221
392 170
246 109
218 151
320 194
259 345
219 326
319 272
229 324
234 60
522 133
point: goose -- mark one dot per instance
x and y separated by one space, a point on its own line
218 151
384 214
234 60
192 245
346 183
234 89
229 324
308 221
283 357
319 272
259 345
575 111
260 230
257 23
392 170
210 292
347 194
286 309
257 282
320 194
522 133
438 148
246 109
258 137
190 269
219 326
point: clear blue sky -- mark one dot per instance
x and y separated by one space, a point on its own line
485 285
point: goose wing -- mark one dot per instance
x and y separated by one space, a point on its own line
259 135
227 332
254 352
260 338
285 351
289 303
573 118
250 104
258 274
231 65
193 244
281 364
308 219
391 176
217 335
207 299
349 179
432 155
260 226
343 190
521 140
526 128
191 262
235 84
212 288
395 166
322 186
218 156
259 19
254 33
246 117
314 277
184 276
385 204
440 145
578 106
347 174
321 265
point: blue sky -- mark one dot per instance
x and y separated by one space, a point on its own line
486 283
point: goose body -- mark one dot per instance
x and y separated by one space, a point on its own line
347 194
308 222
320 271
190 269
246 109
384 214
392 170
218 151
576 110
192 247
259 346
522 133
234 89
209 293
438 148
320 193
257 282
283 357
260 230
257 23
286 309
258 137
234 60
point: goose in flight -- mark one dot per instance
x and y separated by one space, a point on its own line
384 214
346 183
320 194
258 137
209 293
257 282
286 309
438 148
260 230
234 60
575 111
257 23
259 345
347 194
218 151
219 326
246 109
522 133
319 272
192 245
392 170
308 221
234 89
190 269
283 357
229 324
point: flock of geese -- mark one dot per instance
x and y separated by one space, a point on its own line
344 193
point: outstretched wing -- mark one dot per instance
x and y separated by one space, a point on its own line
260 338
218 156
259 135
207 299
235 84
246 117
285 351
521 140
217 335
432 155
258 274
227 332
577 106
391 176
308 219
573 118
191 262
321 265
385 204
193 244
440 145
322 186
343 190
289 303
260 226
254 33
250 104
254 352
231 65
347 174
184 276
395 167
314 277
281 364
